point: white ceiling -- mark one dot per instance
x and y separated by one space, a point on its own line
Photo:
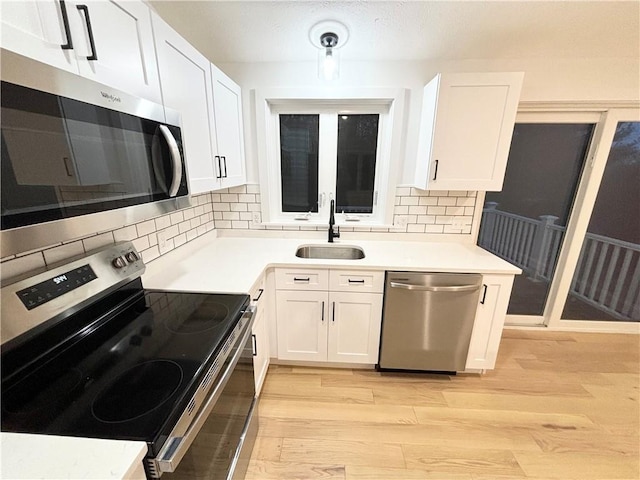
258 31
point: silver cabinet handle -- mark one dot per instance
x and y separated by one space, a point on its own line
425 288
175 159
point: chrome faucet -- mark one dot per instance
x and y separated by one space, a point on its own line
332 222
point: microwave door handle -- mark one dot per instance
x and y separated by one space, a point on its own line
175 159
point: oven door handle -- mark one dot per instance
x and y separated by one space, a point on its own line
175 160
175 448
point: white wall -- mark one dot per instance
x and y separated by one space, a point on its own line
546 80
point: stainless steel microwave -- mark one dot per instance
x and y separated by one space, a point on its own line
79 157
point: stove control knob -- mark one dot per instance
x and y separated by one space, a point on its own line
132 256
119 262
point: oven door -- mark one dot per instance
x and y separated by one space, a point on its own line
219 441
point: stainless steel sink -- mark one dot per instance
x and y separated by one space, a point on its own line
340 252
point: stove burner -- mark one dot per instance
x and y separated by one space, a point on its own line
26 399
138 391
207 316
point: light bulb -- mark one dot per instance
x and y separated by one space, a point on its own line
330 66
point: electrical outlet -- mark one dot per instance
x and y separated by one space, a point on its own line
162 241
256 218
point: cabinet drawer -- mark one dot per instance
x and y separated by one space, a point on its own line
302 279
356 281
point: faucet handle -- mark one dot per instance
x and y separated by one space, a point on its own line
337 233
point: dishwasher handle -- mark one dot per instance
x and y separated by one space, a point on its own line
427 288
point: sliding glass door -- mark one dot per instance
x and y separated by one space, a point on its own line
606 280
580 257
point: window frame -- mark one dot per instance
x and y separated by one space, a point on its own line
270 103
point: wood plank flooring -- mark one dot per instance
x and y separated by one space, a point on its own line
558 406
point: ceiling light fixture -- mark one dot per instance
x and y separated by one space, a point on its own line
330 64
328 36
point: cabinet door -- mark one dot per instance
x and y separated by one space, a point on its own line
123 45
36 30
490 316
185 77
354 327
466 129
302 325
227 106
260 349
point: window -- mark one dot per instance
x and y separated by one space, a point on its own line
312 151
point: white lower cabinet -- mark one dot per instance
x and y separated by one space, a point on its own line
490 316
260 334
354 330
319 324
302 325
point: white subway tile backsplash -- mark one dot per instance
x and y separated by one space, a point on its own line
253 188
403 191
145 228
19 265
239 207
150 253
417 210
176 218
97 241
409 200
455 211
239 189
415 228
465 201
433 229
223 223
246 198
436 210
230 216
443 220
229 197
222 207
63 252
162 222
177 228
446 201
242 224
141 243
126 233
428 201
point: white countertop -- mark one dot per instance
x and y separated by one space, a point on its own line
27 456
232 264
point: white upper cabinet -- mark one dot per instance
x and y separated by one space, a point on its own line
110 42
227 106
210 105
185 78
37 30
465 130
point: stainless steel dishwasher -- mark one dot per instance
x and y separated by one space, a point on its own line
427 320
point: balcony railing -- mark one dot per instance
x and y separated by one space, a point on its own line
608 271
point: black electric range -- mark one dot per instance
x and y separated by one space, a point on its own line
123 363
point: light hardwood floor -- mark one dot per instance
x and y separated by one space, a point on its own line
557 406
